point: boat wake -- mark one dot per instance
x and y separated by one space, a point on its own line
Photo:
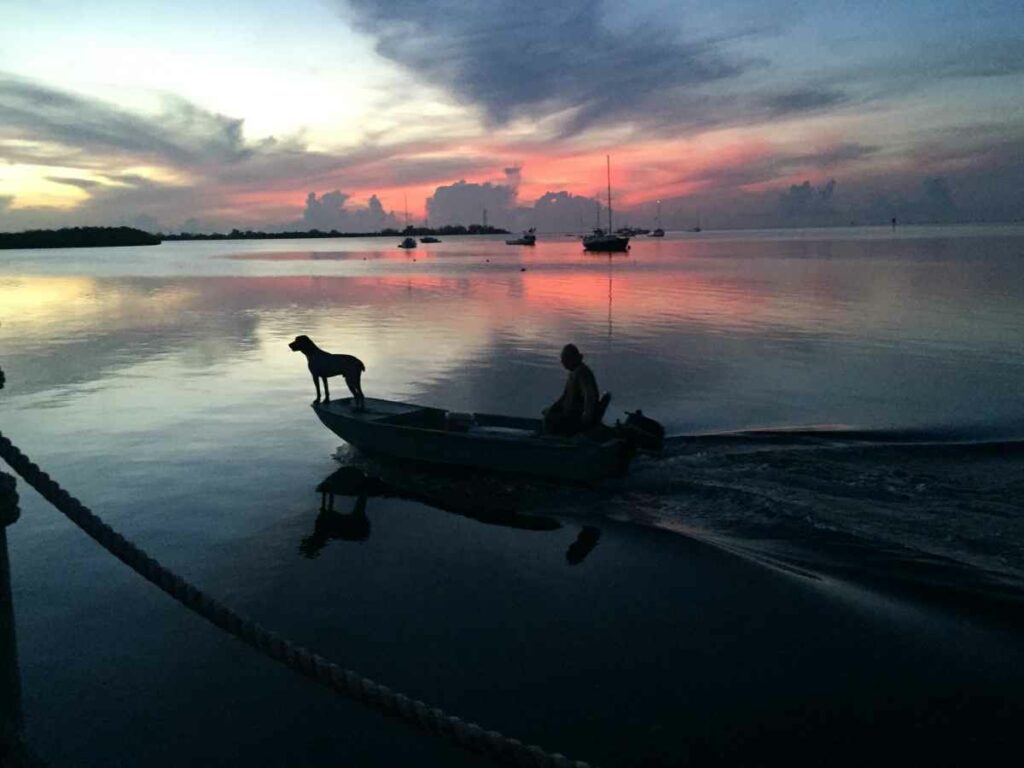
937 514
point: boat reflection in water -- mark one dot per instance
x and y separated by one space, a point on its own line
479 499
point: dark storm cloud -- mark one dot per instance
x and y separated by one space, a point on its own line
537 58
803 100
840 153
182 134
464 203
44 125
73 182
756 170
331 211
971 58
805 201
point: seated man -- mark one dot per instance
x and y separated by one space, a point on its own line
576 410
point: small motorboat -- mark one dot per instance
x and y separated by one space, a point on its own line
407 243
659 232
478 440
429 239
529 237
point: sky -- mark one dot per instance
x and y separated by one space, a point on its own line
356 115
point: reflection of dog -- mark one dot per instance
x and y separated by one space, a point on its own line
355 526
324 365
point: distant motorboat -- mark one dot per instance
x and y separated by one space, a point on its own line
659 232
407 243
429 239
606 242
528 237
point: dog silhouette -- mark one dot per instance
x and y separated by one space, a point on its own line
323 365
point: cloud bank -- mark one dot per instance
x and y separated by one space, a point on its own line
533 58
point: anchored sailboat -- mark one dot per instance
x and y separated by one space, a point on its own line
658 231
601 240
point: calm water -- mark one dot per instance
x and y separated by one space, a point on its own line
156 384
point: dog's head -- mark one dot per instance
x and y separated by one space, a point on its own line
300 344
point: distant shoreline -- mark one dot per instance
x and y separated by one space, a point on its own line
112 237
77 237
446 231
107 237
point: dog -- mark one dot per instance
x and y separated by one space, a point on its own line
323 365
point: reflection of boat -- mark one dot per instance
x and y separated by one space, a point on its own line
527 238
483 441
475 498
407 243
599 240
429 239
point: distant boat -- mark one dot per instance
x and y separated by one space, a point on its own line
599 240
697 227
407 243
658 231
429 239
528 237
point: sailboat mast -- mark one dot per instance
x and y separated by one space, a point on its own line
405 198
608 161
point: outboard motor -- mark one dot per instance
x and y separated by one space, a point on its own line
643 431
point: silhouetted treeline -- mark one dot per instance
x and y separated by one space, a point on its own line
77 237
105 237
237 234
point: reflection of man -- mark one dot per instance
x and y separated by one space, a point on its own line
576 410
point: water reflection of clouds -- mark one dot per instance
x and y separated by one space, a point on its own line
708 327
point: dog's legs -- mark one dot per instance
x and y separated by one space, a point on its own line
327 392
316 383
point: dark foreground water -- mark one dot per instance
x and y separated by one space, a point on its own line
157 385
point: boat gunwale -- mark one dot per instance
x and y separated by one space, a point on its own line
548 441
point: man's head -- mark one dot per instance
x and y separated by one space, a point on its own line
571 356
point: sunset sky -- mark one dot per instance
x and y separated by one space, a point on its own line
207 116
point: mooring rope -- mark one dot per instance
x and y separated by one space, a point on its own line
469 736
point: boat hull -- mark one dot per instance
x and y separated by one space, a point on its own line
606 244
493 443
